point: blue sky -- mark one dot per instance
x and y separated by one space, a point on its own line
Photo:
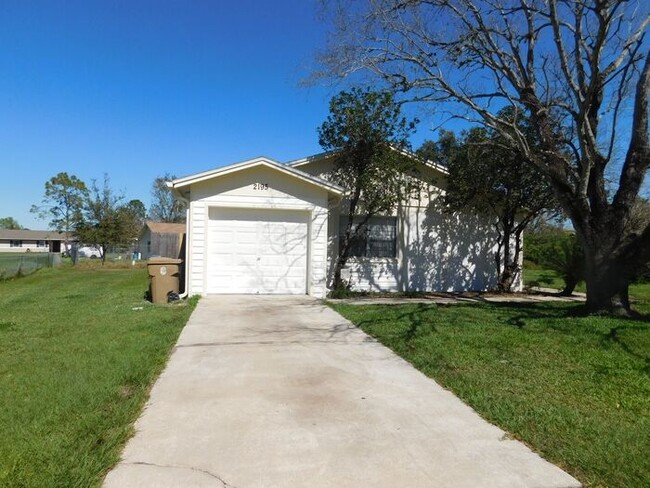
136 89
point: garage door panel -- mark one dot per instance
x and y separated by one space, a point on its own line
257 251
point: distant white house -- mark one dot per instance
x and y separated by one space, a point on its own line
264 227
19 240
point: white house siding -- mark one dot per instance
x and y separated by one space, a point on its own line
197 232
240 190
318 257
26 246
445 252
435 252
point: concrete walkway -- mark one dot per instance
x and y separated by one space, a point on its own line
267 391
535 295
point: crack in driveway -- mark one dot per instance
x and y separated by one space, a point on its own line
177 466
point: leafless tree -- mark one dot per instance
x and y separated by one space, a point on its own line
579 68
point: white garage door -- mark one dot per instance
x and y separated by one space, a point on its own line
257 251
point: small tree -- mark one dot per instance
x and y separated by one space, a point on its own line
63 203
489 176
107 222
369 135
9 223
164 206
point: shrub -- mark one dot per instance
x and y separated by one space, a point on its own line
560 251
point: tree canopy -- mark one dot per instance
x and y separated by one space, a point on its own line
580 69
489 177
9 223
164 206
107 221
63 202
368 135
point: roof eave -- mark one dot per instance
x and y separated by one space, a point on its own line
177 185
324 155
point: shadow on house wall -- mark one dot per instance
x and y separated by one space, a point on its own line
449 251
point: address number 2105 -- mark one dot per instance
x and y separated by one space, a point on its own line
260 186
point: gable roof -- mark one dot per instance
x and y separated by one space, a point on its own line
329 154
165 227
32 235
186 181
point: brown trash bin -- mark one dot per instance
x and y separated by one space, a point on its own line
163 277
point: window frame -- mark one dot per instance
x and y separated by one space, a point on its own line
367 245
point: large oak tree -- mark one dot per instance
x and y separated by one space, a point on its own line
581 70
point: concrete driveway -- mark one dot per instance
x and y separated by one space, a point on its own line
265 391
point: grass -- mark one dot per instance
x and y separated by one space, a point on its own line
534 276
576 389
547 278
79 350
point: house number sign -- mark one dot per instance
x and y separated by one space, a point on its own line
260 186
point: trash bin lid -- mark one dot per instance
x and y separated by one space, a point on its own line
164 261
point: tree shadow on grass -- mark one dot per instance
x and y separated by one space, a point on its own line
522 312
614 337
525 312
546 315
415 319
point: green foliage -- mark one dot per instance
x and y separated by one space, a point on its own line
575 389
80 350
138 212
63 202
9 223
368 133
580 69
369 136
488 175
443 151
559 251
107 222
343 290
164 207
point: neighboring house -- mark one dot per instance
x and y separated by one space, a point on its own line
264 227
20 240
161 239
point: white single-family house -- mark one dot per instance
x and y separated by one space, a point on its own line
23 240
264 227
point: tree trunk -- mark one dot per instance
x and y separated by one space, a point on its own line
569 286
344 252
337 282
507 274
507 277
607 284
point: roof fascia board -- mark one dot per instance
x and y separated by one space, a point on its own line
324 155
269 163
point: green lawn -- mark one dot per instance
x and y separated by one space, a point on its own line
575 389
547 278
79 350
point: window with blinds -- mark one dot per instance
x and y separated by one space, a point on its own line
376 239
